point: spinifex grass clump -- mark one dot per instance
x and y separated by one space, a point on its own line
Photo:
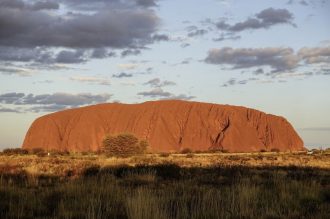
168 191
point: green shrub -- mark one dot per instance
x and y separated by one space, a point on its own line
124 144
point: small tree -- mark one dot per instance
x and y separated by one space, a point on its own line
123 144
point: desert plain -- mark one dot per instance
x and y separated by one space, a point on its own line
165 185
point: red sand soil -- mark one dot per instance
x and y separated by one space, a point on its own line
168 126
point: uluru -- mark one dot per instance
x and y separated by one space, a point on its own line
167 125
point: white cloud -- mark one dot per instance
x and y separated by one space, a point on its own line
91 80
128 66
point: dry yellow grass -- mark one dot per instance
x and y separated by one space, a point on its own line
75 164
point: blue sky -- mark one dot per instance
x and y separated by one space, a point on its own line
273 56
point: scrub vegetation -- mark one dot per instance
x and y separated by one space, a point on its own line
164 186
169 191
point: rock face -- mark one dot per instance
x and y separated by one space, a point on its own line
168 126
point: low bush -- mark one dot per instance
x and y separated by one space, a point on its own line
186 151
15 151
38 151
275 150
218 150
200 152
164 154
59 153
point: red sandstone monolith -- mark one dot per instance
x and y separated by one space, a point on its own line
168 126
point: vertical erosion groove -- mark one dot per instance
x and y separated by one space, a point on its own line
150 123
217 142
184 125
